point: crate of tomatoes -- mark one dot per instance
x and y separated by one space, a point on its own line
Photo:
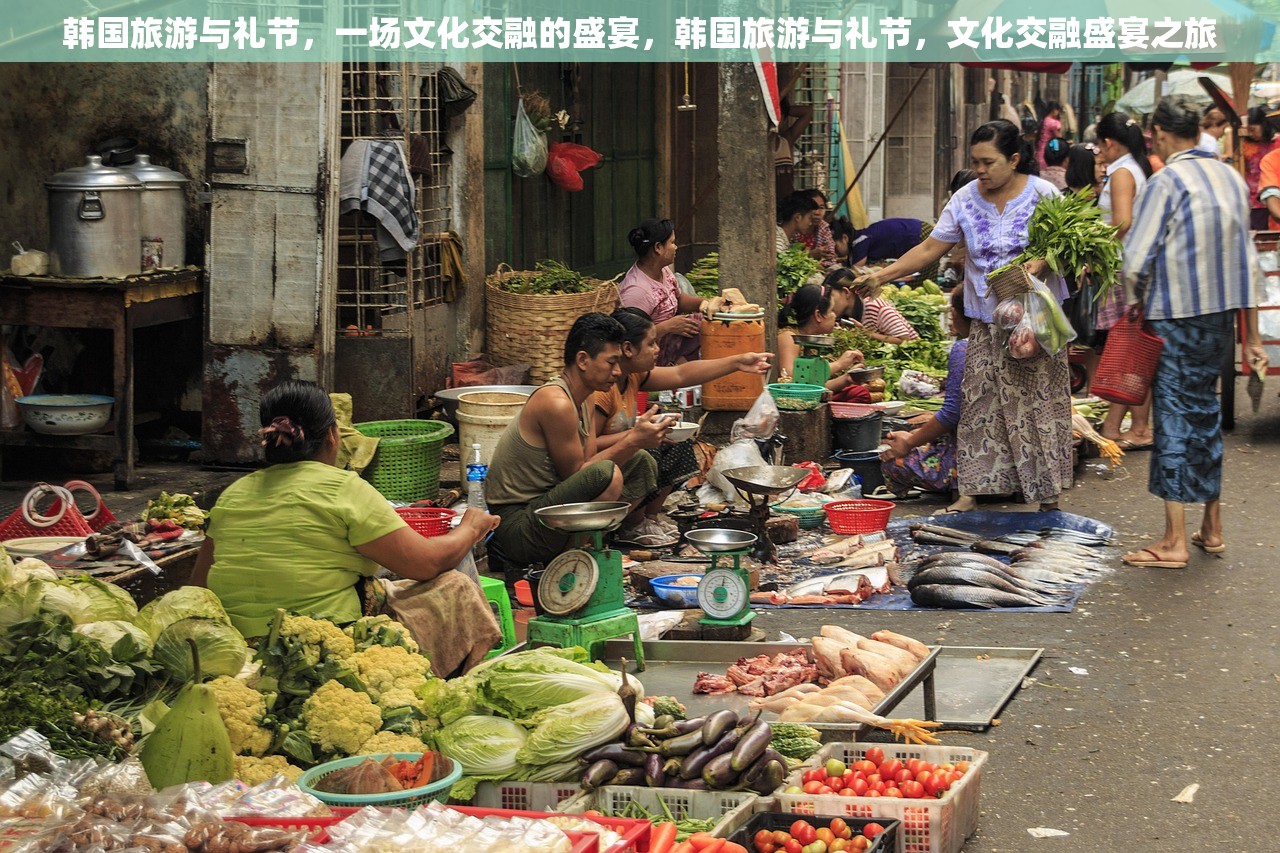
771 832
931 790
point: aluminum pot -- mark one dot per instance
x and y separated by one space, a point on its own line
95 222
164 214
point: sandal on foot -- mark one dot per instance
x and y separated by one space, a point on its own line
1198 541
1155 561
1128 446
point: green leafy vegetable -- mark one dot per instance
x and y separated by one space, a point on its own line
179 604
516 686
550 277
176 507
125 641
106 600
222 650
705 275
795 267
566 731
484 746
1068 231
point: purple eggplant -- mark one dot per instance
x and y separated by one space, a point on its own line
628 776
682 745
654 774
617 753
753 744
716 725
599 774
771 779
719 772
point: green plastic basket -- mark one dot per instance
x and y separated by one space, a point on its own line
796 396
406 466
809 517
410 799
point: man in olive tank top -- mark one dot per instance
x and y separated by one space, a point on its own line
548 455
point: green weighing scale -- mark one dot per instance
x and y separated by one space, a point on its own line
581 592
724 593
811 366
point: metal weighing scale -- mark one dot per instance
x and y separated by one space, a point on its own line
724 593
811 366
581 592
758 484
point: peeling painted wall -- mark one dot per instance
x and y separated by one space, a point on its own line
53 114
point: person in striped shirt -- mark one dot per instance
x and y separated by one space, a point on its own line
1190 263
879 319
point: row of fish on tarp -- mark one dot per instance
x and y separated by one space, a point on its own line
1044 567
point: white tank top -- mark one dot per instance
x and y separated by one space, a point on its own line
1130 165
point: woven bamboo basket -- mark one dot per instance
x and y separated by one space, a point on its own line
1010 283
525 329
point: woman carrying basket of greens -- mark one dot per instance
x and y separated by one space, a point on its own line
1014 434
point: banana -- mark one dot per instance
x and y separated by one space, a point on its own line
190 743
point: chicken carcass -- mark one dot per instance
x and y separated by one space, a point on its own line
880 670
917 648
863 685
902 660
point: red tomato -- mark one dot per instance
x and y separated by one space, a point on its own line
912 790
871 830
890 767
913 764
804 833
846 792
840 828
764 836
875 755
826 789
781 837
768 847
937 785
859 843
825 835
793 846
903 775
810 775
812 787
871 792
962 766
874 779
947 767
847 779
859 787
878 787
923 777
865 766
892 792
954 776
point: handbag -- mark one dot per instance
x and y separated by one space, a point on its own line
1079 309
1129 360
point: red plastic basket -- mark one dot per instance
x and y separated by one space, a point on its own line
859 516
1128 364
635 833
26 520
100 517
429 521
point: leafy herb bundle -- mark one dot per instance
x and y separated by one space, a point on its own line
548 278
705 275
1068 231
794 269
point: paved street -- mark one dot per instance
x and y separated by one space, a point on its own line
1183 680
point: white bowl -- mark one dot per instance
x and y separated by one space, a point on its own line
682 431
892 407
66 414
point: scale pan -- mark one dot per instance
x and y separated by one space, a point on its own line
579 518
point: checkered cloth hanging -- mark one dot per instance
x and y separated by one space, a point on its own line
375 179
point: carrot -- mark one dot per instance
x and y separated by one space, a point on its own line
730 847
702 840
662 838
683 847
716 845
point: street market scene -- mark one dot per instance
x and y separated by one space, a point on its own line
610 457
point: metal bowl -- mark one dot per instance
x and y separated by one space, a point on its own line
448 397
719 540
765 479
815 340
578 518
861 375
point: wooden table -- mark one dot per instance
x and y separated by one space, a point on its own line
121 305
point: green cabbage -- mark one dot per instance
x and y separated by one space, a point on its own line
107 602
126 641
30 568
484 746
521 684
19 603
179 604
222 650
566 731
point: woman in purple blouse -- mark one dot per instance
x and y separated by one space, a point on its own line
1014 432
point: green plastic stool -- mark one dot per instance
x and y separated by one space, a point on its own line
590 634
495 591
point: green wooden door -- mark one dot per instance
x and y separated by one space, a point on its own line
531 218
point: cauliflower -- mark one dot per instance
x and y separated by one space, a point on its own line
391 674
380 630
339 719
316 636
242 709
391 742
255 771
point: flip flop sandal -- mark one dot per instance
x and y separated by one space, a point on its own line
1128 446
1198 541
883 494
1156 561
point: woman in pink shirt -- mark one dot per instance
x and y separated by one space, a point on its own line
1050 128
650 285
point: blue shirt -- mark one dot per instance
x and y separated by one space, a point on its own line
1189 252
888 238
949 414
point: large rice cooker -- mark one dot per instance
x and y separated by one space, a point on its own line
164 213
95 222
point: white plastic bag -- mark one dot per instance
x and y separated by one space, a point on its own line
760 421
1052 328
528 147
742 453
1023 342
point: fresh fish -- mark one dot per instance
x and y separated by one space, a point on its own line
927 537
945 595
955 576
939 530
993 546
1078 537
1046 576
813 586
1065 561
956 557
1023 538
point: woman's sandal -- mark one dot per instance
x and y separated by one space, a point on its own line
1198 541
1156 561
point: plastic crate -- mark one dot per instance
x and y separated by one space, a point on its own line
525 796
406 465
885 842
864 515
733 808
635 833
928 826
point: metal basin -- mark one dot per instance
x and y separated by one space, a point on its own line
720 540
578 518
860 375
815 340
765 479
448 397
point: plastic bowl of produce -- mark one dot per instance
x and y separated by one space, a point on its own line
677 590
446 774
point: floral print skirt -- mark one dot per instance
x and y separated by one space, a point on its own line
1015 421
931 467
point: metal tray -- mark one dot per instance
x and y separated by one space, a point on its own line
970 690
671 666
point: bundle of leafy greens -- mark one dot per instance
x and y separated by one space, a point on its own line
926 356
548 278
920 306
1068 231
794 269
705 275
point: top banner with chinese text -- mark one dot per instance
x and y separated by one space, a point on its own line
612 31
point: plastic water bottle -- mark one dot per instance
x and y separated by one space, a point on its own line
476 472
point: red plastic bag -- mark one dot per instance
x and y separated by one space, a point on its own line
565 162
815 481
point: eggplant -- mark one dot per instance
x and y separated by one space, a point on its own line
688 784
617 753
663 721
629 776
719 772
599 773
773 776
753 744
716 725
671 766
654 774
637 738
682 745
691 767
685 726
